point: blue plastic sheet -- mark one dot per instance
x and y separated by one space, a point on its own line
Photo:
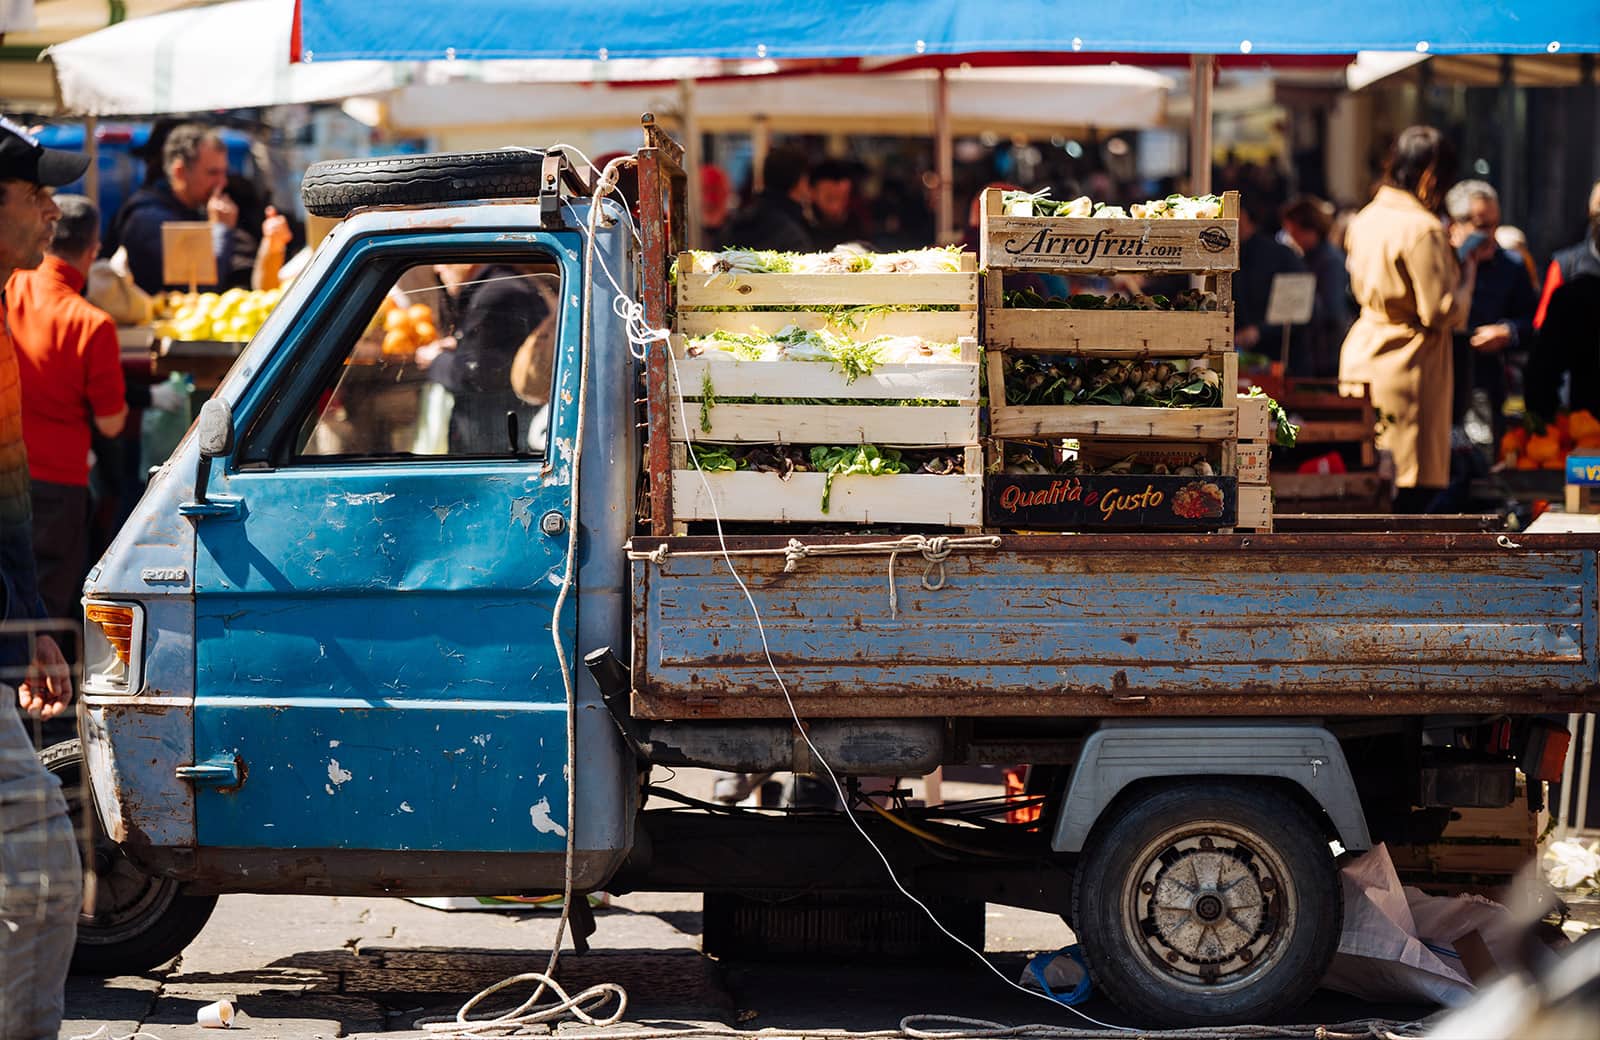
600 29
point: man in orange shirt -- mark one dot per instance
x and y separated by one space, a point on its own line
40 877
71 377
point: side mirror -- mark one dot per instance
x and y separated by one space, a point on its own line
214 431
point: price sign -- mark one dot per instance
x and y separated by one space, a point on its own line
187 258
1291 299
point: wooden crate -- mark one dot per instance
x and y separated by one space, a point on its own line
1494 842
1088 245
937 426
907 498
1255 508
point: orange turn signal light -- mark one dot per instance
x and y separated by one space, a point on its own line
116 623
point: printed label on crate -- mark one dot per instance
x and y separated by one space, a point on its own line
1110 501
1583 470
1142 244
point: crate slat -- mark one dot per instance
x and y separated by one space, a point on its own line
1112 334
826 290
1255 508
934 326
1114 422
1251 459
730 377
910 498
1254 419
883 425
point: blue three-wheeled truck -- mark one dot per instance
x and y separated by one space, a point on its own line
325 654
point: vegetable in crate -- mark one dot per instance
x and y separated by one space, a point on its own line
839 261
1284 432
1173 207
1096 381
1187 300
866 460
855 358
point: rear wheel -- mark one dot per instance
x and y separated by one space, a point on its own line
1207 903
139 921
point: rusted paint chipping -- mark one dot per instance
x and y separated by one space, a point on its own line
661 199
1130 625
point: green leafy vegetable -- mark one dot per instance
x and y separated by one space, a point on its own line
708 401
1284 432
715 460
863 460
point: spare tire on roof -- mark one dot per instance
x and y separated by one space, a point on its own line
334 187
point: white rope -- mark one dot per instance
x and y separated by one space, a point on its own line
581 1006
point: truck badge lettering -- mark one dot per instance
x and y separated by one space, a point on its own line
163 575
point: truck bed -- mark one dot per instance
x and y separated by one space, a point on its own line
1127 625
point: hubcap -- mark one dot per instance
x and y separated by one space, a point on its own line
1208 906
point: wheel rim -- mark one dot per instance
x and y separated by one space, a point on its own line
1210 907
125 897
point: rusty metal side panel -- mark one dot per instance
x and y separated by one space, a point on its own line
1366 631
661 186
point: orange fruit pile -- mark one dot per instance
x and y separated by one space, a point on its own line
406 328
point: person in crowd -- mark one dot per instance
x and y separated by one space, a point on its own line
71 369
716 200
194 162
1261 259
268 269
1514 240
1567 344
1307 221
1582 257
1413 293
837 215
41 882
776 218
491 309
1500 319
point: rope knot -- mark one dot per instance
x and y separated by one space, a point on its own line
793 553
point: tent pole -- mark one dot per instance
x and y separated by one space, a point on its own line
91 148
760 144
690 127
1202 71
944 161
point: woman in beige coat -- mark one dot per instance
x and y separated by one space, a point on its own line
1413 294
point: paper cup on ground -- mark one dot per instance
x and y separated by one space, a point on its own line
216 1016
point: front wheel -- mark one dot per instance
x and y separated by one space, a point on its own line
1207 903
139 921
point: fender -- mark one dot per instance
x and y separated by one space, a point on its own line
1122 752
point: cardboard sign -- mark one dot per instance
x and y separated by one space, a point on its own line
1583 470
1110 500
187 256
1291 299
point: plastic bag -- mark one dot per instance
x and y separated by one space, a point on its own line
1062 976
1383 954
111 288
161 431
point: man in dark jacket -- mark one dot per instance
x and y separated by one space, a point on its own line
1578 259
195 162
1568 343
776 218
1261 259
491 309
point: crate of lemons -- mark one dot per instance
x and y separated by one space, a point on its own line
227 317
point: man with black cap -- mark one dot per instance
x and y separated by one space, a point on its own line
40 876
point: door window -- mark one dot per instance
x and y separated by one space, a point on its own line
456 361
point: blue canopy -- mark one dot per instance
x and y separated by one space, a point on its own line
745 29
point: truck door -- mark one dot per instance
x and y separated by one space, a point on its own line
376 575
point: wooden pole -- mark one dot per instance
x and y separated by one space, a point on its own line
944 162
690 127
1202 70
760 144
91 148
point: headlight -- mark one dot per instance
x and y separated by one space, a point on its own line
113 645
